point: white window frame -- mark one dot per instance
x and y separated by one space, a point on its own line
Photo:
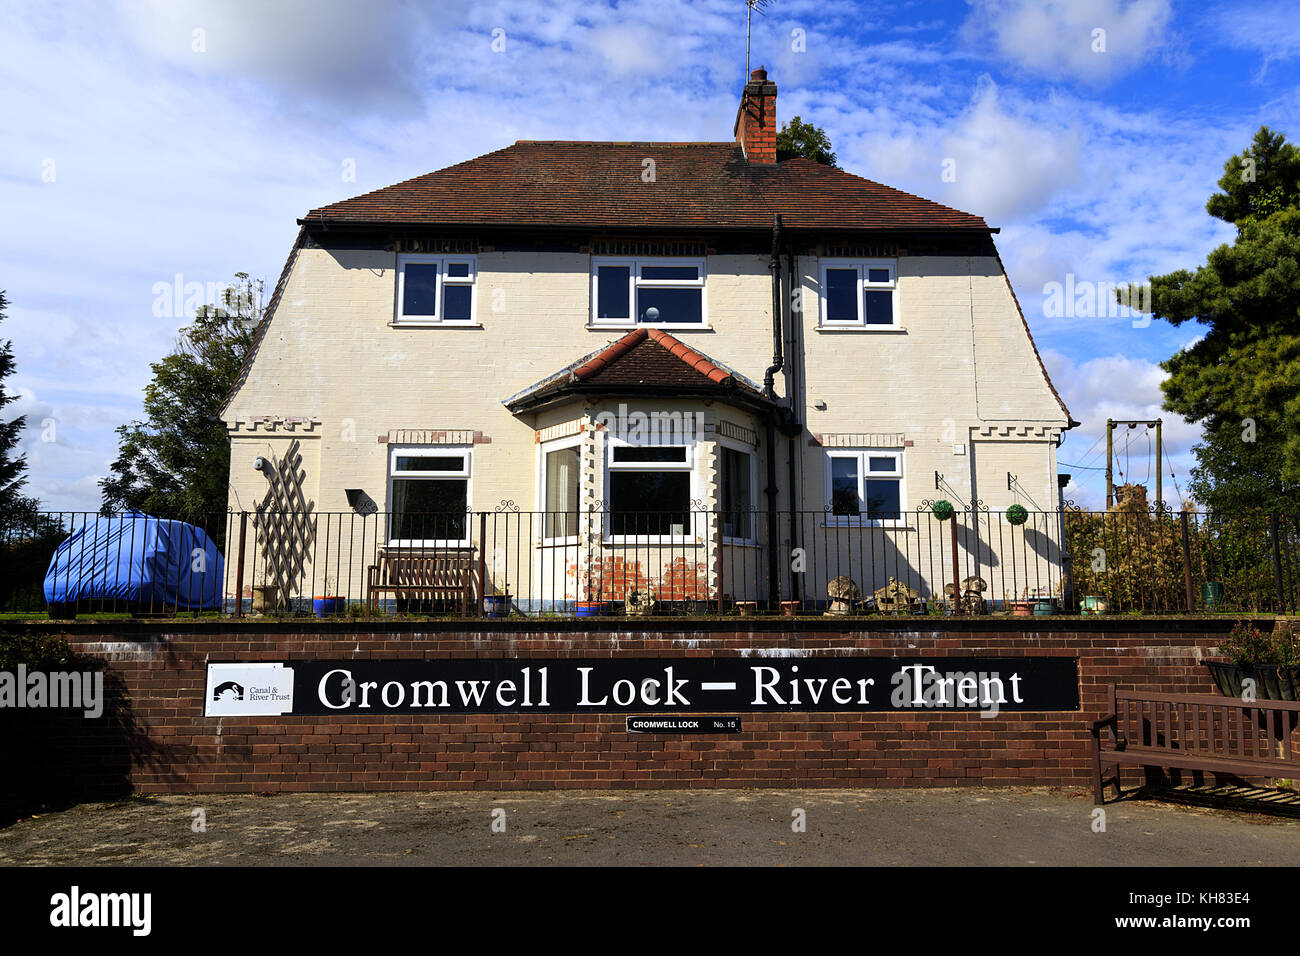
441 261
693 494
862 455
753 490
573 441
465 473
863 284
635 266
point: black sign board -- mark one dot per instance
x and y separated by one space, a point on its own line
667 686
683 725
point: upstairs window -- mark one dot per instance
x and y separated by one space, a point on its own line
435 290
865 486
859 293
664 292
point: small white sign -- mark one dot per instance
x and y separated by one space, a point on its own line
248 690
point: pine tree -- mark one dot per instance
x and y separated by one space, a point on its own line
1242 379
13 467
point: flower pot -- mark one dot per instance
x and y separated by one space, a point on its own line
1022 608
496 605
325 606
1093 604
746 608
1044 608
264 597
789 608
1212 595
590 608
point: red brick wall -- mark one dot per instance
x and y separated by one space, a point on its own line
159 741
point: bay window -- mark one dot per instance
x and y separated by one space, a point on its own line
736 493
561 466
649 490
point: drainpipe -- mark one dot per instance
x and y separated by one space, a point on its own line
795 429
769 389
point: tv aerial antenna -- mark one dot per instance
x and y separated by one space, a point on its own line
750 7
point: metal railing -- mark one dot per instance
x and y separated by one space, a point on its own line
510 561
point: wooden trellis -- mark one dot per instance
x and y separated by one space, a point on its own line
285 525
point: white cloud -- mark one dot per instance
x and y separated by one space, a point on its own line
1056 38
1269 28
1117 387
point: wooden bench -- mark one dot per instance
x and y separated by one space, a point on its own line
1197 732
438 573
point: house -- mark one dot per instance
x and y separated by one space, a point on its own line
691 369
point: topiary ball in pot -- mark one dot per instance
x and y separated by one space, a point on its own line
943 510
1017 514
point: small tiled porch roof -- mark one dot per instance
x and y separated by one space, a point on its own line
644 363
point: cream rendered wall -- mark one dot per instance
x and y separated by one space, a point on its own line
960 372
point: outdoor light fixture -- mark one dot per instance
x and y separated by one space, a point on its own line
259 464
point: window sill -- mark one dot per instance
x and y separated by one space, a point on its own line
666 326
884 525
877 329
439 544
434 325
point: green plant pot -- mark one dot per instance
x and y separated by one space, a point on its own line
1093 604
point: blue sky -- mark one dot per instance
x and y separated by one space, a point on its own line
149 139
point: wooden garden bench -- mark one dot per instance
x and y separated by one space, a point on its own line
439 573
1196 732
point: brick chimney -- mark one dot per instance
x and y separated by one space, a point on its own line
756 119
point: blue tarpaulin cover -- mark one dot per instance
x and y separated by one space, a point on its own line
134 557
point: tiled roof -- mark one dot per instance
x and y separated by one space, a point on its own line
649 358
603 185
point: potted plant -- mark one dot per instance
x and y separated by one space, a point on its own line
1093 604
1020 607
640 603
265 597
496 605
330 602
1017 515
1271 659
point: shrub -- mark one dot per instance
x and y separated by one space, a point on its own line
1247 646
